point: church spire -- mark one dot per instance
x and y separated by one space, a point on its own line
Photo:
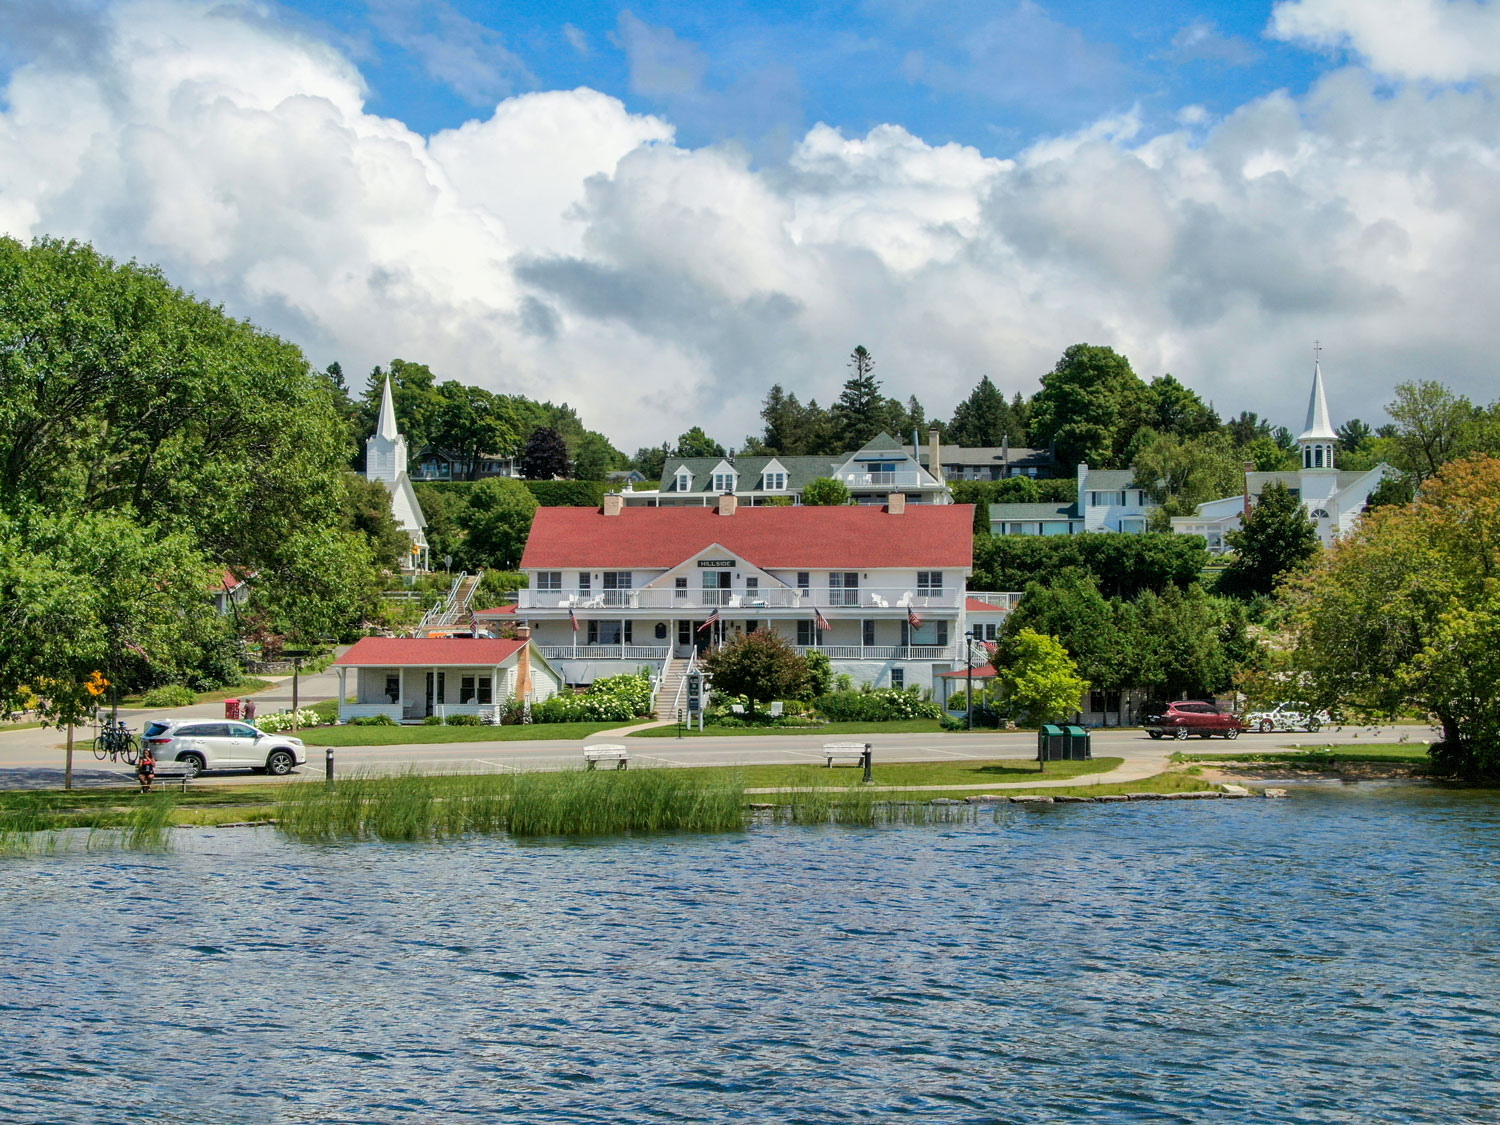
387 426
1318 437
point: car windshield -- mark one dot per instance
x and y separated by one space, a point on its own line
155 727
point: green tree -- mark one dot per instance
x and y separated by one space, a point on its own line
825 492
859 413
1433 426
1405 614
594 457
545 456
984 419
1090 405
1121 565
472 423
1277 538
651 460
761 666
497 520
1181 473
1187 642
1172 408
1036 678
1098 633
695 443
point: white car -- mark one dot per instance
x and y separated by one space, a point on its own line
220 744
1286 716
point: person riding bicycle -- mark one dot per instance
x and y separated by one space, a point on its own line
145 768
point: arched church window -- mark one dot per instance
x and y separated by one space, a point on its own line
1320 513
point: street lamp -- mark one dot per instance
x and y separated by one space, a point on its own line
969 667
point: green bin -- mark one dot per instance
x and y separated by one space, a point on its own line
1051 743
1080 748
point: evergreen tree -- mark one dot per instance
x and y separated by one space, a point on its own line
859 413
1277 538
983 419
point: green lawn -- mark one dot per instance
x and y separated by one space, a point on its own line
423 735
1313 756
898 726
907 773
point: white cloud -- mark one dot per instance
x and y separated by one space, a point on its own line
566 248
1441 40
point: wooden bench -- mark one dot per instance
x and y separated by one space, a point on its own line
173 772
606 752
843 751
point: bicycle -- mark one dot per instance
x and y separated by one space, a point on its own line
114 742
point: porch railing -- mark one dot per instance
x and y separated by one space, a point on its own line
605 652
881 652
694 598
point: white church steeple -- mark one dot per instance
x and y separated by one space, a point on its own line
385 449
1318 437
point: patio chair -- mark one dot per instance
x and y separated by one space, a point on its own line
776 710
906 599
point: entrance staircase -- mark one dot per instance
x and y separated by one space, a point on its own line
455 607
670 695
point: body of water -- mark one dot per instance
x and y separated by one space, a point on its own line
1332 957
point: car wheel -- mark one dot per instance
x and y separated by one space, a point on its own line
280 762
1267 726
193 764
1180 733
1154 733
1232 732
1314 725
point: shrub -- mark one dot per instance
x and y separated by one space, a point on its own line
282 720
612 699
170 695
877 706
819 674
374 721
433 721
461 721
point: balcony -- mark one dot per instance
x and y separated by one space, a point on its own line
692 599
656 653
1002 602
908 479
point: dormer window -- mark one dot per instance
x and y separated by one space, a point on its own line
723 482
684 481
773 482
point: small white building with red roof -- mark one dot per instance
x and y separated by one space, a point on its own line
410 678
881 590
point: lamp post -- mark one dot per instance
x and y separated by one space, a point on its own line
447 564
969 667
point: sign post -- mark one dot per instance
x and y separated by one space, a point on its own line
695 698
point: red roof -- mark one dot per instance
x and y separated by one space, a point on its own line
806 537
373 652
508 608
978 605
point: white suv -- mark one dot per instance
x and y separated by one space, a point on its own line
217 744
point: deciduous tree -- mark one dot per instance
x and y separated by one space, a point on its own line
762 666
825 492
545 456
1090 405
1036 678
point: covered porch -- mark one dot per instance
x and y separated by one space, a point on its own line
411 679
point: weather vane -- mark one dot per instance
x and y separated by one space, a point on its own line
1317 351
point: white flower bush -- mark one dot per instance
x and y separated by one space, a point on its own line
282 720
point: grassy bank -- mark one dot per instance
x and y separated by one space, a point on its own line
427 736
898 726
907 773
37 824
1320 757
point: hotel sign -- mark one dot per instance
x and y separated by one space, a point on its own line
716 564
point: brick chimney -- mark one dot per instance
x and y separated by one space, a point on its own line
523 662
1249 468
614 503
895 503
727 504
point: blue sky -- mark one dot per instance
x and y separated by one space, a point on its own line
655 212
992 75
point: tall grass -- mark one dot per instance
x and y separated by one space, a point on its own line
34 825
567 803
858 806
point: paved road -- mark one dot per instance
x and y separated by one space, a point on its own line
29 761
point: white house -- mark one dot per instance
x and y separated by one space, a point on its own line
410 678
1108 500
385 461
881 590
1334 500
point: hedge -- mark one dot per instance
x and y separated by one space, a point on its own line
548 493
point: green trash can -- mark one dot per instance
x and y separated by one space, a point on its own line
1051 743
1080 748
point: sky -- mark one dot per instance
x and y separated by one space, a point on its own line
655 211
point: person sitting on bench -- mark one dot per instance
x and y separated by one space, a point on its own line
145 768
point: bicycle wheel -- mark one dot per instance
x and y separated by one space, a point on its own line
128 749
101 747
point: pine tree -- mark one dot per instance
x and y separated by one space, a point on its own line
1277 538
983 419
859 415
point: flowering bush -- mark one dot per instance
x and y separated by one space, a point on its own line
170 695
282 720
878 706
615 699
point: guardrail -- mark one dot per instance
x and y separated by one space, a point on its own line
689 599
604 652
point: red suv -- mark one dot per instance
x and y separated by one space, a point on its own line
1189 716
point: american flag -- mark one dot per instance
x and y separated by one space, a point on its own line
913 618
713 619
573 617
821 622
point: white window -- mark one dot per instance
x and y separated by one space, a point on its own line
723 482
549 581
773 482
930 583
1107 499
684 481
898 679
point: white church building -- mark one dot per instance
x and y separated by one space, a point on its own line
1334 500
385 461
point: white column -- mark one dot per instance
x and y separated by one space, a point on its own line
343 690
401 693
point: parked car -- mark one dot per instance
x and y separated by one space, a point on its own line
1286 716
1189 716
216 744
